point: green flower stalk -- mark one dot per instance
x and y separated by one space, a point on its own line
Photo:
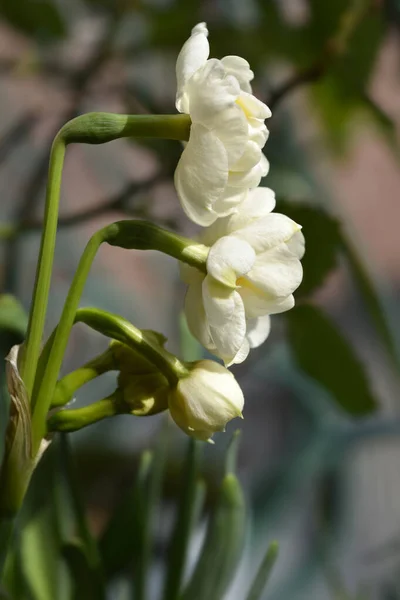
91 128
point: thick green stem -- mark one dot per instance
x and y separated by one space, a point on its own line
6 532
92 128
42 402
68 385
75 419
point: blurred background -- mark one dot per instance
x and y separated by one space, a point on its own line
320 449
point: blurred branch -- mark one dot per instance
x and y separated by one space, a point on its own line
16 134
78 83
335 48
116 203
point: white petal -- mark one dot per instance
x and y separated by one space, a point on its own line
241 355
225 314
258 330
257 131
210 91
193 55
253 107
248 179
231 127
228 203
201 175
196 316
257 303
296 244
249 159
230 258
239 68
276 272
267 232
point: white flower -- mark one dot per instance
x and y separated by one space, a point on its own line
253 268
223 157
205 400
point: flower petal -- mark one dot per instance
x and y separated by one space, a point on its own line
231 127
228 203
230 258
250 178
196 316
257 303
239 68
253 107
225 314
251 156
267 232
201 175
192 56
297 244
190 274
277 272
258 131
210 91
258 330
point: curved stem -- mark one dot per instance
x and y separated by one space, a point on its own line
41 403
45 264
77 418
91 128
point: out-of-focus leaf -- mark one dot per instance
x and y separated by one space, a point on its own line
264 572
216 567
191 349
85 581
185 520
40 18
120 539
40 556
323 242
321 351
13 316
371 298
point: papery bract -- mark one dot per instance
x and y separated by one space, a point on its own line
223 157
253 268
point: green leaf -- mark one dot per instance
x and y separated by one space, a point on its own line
40 18
13 317
185 520
370 296
323 242
264 572
85 580
223 545
120 540
321 351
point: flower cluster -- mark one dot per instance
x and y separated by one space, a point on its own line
253 265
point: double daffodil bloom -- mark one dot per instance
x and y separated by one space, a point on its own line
203 402
253 268
223 157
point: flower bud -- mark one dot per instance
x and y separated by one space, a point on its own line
142 395
205 400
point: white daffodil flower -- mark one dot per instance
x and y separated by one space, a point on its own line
203 402
253 268
223 157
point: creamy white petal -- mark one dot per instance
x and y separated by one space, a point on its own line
241 354
228 203
297 244
247 179
239 68
196 316
276 272
201 175
258 303
211 90
225 313
249 159
258 330
258 131
193 55
267 232
231 127
253 107
230 258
